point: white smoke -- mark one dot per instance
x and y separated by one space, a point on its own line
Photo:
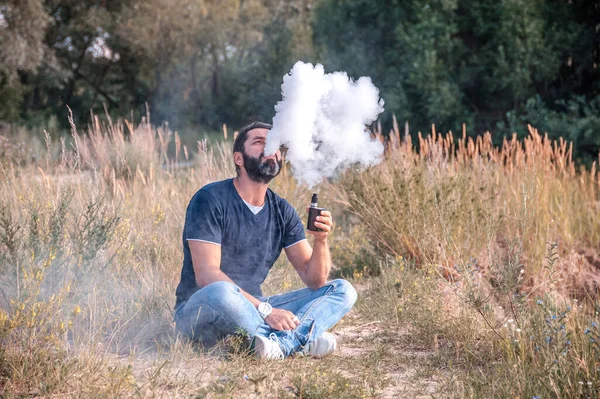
322 120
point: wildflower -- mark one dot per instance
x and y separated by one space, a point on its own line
580 382
553 317
511 321
540 302
518 330
586 331
593 324
535 397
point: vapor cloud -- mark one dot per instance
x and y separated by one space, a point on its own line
322 120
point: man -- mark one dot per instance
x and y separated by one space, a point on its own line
234 232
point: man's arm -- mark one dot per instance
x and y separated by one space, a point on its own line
313 264
206 260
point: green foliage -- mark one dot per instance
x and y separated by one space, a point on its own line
450 62
576 119
10 237
93 229
492 65
12 97
23 24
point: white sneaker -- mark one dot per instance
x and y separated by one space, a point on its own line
322 346
266 348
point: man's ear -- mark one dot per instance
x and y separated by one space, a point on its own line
238 159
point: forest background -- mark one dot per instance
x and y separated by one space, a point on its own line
492 65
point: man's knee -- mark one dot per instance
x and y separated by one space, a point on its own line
220 289
216 296
346 290
217 305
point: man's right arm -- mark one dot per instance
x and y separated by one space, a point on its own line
206 260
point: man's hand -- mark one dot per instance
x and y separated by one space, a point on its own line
281 319
323 222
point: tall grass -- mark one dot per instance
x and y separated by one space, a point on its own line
452 202
458 241
496 252
90 255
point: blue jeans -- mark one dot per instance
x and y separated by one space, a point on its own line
220 309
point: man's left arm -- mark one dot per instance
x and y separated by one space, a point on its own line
313 264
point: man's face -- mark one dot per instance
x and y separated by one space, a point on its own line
260 169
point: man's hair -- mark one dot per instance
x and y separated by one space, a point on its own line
240 140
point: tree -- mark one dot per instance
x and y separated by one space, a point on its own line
22 27
486 63
187 45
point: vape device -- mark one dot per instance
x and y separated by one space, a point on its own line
313 212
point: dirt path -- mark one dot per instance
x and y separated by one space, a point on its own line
402 368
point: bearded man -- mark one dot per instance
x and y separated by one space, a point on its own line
234 232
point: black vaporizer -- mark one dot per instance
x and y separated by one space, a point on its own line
313 212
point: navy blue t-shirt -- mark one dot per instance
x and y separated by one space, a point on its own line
250 244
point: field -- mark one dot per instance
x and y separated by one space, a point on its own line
477 267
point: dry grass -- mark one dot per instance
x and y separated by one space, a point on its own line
446 246
457 201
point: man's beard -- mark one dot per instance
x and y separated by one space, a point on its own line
259 171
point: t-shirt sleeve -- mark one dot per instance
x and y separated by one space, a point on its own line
204 221
294 229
